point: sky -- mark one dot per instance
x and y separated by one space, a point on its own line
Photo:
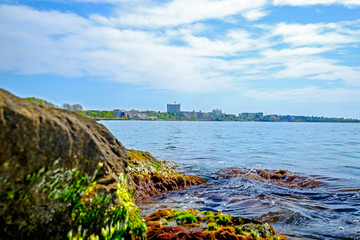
297 57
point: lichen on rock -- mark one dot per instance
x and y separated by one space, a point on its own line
152 177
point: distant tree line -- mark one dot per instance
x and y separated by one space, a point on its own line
164 115
178 117
73 108
290 118
70 107
40 101
98 114
266 118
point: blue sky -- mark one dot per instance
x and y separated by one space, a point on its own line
298 57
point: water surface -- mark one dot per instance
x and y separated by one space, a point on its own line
329 152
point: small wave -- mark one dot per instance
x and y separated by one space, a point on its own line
171 147
282 178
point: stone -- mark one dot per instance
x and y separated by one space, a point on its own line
62 176
152 177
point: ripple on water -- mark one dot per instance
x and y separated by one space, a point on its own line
329 150
299 213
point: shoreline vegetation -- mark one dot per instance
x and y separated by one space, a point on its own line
65 176
204 120
216 115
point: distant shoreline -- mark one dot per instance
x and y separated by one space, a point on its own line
205 120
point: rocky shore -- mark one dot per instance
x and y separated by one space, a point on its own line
64 176
152 177
193 224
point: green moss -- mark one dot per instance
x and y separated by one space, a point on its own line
100 219
219 218
223 219
214 224
253 234
212 227
185 217
64 184
261 230
136 155
9 193
136 225
88 210
31 178
155 166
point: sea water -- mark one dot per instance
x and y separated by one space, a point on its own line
328 152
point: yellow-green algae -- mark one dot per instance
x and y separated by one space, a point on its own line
214 223
72 200
152 177
117 222
141 163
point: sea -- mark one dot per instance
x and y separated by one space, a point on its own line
326 152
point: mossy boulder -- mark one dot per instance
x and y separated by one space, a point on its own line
152 177
62 176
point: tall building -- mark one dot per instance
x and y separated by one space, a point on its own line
173 108
217 112
119 113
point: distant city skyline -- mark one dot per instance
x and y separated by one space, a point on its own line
286 57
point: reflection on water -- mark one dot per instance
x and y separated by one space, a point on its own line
329 152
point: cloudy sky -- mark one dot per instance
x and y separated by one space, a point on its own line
299 57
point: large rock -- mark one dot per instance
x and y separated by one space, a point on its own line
62 174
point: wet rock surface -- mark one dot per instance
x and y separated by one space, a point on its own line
193 224
152 177
62 176
282 178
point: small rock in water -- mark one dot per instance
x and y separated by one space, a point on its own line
341 228
358 231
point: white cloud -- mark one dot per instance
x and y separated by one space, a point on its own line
255 14
304 64
230 44
351 76
315 2
314 34
179 12
183 59
307 94
78 48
